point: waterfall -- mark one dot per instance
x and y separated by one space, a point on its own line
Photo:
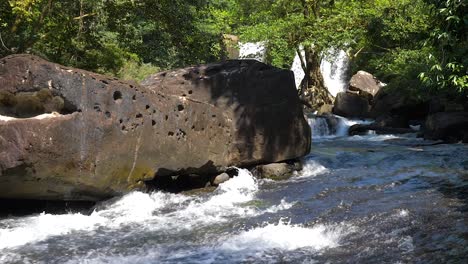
319 126
251 50
331 126
297 70
334 68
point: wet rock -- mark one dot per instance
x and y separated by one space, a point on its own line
107 137
223 177
447 126
365 83
392 121
325 109
351 105
277 171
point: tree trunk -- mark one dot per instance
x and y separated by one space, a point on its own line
313 90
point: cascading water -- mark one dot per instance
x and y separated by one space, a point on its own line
331 126
334 67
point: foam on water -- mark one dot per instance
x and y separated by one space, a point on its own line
321 128
255 242
311 169
284 236
280 207
153 211
36 228
345 124
373 137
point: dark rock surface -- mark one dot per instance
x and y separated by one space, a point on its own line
447 126
352 105
107 136
395 103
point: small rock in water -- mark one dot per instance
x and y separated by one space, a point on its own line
223 177
276 171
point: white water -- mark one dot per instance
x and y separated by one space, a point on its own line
320 126
334 67
140 208
285 236
164 211
311 169
257 241
254 51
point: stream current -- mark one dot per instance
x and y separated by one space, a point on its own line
361 199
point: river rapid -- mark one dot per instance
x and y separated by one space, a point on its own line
361 199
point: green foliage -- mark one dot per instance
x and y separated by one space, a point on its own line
106 35
133 69
393 47
286 25
449 62
411 44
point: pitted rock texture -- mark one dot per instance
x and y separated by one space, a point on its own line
106 136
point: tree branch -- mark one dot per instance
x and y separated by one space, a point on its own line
299 54
3 44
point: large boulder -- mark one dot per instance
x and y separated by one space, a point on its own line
447 126
364 82
351 105
106 137
392 102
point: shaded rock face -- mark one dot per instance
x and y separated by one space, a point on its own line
364 82
447 126
249 111
351 105
107 136
394 103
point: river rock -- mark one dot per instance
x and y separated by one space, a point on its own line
352 105
366 83
447 126
277 171
325 109
90 137
223 177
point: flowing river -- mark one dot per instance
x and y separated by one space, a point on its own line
361 199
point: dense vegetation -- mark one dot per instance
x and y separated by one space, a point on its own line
416 45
